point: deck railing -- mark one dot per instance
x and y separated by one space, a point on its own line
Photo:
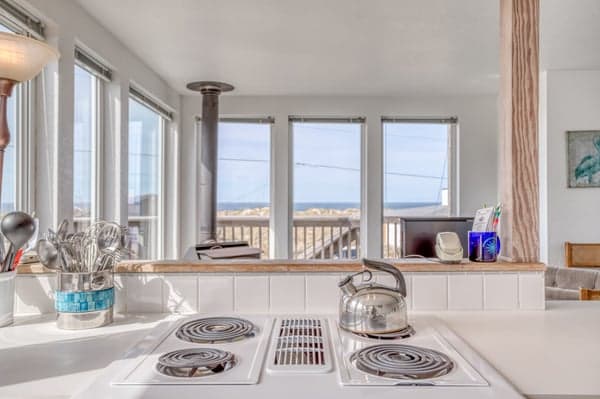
323 237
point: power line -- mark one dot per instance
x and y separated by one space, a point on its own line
313 165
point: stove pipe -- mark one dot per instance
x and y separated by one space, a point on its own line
208 156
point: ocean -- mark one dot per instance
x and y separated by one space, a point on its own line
302 206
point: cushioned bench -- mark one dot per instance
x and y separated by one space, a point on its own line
564 283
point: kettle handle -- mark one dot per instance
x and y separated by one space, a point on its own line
386 267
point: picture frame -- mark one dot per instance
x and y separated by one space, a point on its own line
583 158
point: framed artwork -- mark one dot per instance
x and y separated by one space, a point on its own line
583 158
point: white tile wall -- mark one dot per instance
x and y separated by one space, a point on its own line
144 293
430 291
465 291
180 293
501 291
35 294
215 294
287 293
532 294
322 293
290 292
120 294
251 293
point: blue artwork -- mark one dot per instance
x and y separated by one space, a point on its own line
583 149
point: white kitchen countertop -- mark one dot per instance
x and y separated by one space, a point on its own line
545 354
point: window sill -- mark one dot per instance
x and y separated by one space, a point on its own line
284 266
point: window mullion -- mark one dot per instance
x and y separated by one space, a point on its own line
162 190
96 149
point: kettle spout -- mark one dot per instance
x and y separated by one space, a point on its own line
347 285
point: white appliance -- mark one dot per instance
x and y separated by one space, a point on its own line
444 361
232 349
294 357
448 248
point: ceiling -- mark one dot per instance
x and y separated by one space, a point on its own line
313 47
340 47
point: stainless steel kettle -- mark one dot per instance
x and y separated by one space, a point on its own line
371 308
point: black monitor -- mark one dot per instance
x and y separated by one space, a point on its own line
418 233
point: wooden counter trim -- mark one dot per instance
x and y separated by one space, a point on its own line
284 266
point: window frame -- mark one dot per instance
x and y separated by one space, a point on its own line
453 128
97 122
259 120
291 166
162 167
453 161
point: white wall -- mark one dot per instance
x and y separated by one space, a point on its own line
69 25
478 139
570 100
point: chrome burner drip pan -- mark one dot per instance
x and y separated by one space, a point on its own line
212 330
404 333
403 362
196 362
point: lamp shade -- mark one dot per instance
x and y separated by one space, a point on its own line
22 58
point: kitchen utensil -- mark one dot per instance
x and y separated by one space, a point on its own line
48 254
17 228
372 308
109 238
62 229
17 259
1 251
97 248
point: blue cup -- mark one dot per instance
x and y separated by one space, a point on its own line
484 246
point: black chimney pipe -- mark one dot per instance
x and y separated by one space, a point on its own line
209 155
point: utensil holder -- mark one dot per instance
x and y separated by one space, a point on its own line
84 300
7 297
484 246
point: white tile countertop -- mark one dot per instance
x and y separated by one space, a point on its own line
548 354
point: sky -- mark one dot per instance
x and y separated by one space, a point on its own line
326 158
327 162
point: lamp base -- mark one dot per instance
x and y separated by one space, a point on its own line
6 87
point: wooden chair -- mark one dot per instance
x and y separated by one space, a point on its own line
582 255
586 294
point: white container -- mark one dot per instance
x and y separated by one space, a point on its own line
7 297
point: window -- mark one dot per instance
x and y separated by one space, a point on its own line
84 143
11 174
417 164
243 188
327 188
146 134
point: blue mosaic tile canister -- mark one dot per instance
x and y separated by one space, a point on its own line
84 300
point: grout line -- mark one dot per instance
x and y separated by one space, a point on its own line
304 299
233 291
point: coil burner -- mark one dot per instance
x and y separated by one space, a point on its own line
404 333
213 330
196 362
403 362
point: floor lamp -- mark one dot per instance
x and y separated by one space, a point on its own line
21 59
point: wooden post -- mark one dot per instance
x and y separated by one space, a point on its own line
518 117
